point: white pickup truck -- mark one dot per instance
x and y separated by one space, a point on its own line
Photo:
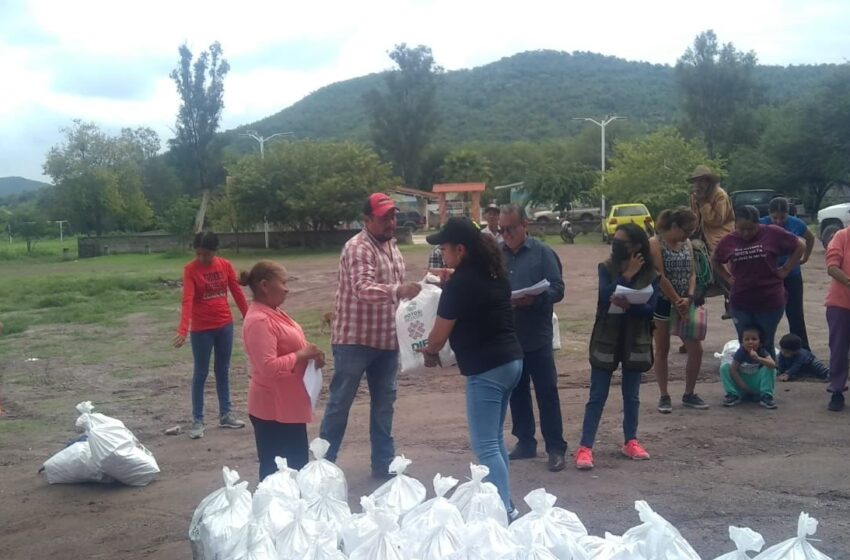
831 219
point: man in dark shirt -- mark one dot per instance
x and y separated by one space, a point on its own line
528 262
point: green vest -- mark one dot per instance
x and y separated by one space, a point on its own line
623 338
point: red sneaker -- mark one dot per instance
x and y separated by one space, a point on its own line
584 458
633 450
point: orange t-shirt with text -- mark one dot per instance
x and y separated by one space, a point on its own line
205 305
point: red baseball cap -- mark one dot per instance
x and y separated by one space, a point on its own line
380 204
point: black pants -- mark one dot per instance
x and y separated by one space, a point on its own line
538 366
794 308
275 439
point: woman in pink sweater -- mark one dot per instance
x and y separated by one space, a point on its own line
278 404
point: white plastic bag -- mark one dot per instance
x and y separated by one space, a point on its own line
554 527
385 543
537 551
657 538
414 320
556 333
463 495
321 473
420 520
313 382
729 349
487 539
329 510
401 493
294 540
251 542
324 547
611 547
271 511
797 548
282 483
74 464
487 505
746 540
359 527
445 538
218 518
89 418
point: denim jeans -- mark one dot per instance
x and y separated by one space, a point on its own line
351 361
275 439
600 383
538 367
487 397
203 344
767 321
794 308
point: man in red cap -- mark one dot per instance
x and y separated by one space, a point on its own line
371 283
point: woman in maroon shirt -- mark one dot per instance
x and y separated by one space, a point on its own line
758 289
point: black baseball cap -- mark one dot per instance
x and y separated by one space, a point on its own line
458 230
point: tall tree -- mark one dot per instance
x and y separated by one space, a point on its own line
405 115
201 88
717 92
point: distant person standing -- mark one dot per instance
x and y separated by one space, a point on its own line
528 262
491 216
838 316
206 313
778 211
712 206
371 283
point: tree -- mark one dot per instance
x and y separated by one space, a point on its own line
201 89
179 219
28 224
653 169
560 183
717 92
405 116
313 185
466 166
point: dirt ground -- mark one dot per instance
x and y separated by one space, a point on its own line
745 466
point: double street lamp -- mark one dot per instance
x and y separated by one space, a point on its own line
602 123
262 140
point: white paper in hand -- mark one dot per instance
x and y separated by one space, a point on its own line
313 382
634 297
534 290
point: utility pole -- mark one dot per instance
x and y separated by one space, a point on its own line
61 238
262 140
602 123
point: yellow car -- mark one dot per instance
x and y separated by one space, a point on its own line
625 214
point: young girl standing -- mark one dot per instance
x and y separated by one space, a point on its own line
621 338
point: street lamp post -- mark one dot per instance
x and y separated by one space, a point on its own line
262 140
601 124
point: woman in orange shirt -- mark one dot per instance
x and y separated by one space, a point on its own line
278 404
205 307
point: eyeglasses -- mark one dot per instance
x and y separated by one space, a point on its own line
510 230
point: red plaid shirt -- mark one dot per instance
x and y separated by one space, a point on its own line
370 274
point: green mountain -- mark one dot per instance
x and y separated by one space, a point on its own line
18 185
529 96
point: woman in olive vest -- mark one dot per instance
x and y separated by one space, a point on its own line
622 336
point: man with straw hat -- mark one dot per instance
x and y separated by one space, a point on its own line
712 205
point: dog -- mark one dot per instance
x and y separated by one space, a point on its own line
328 322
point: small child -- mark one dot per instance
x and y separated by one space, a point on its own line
796 362
752 372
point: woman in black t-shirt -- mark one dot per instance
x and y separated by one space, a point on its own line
475 316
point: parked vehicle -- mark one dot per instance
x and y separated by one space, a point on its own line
624 214
831 219
575 212
413 220
760 198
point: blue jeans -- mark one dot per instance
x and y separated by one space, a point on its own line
487 397
351 361
600 383
766 321
203 343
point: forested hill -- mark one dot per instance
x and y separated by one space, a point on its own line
531 96
18 185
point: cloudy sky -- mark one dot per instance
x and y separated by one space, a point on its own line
108 61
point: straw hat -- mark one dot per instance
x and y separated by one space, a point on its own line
703 171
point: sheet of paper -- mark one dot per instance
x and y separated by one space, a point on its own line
635 297
534 290
313 382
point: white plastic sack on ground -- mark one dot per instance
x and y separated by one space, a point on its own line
359 527
321 473
401 493
487 505
282 483
556 333
324 547
385 543
271 511
251 542
313 382
89 418
218 517
537 551
554 527
329 510
797 548
445 538
486 539
657 538
74 464
414 320
420 520
293 541
463 495
729 349
746 540
611 547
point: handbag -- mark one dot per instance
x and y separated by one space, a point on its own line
693 325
